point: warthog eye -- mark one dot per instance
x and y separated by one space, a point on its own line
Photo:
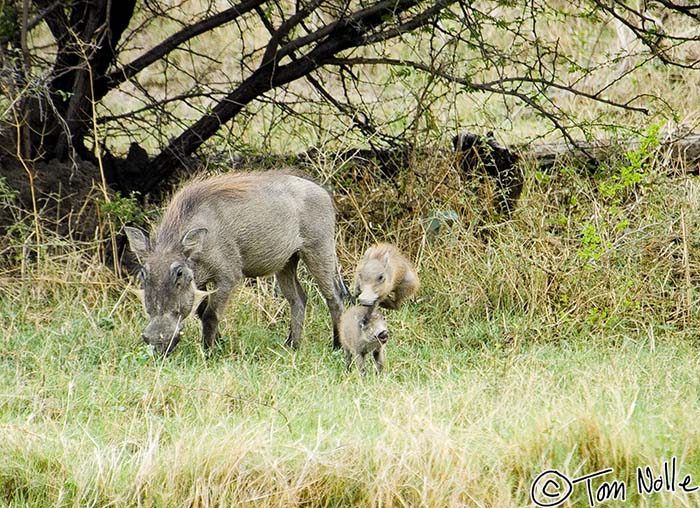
380 278
177 273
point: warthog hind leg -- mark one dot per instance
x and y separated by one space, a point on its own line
295 295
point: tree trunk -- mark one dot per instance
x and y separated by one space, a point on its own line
86 34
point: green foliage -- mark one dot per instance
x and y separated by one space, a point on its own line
9 19
625 178
7 194
123 209
592 243
619 184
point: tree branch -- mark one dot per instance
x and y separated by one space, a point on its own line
355 20
347 109
156 105
346 33
488 86
651 38
284 29
118 76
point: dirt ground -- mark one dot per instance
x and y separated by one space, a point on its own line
65 195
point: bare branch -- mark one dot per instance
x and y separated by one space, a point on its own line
278 35
653 35
488 86
117 77
156 105
347 33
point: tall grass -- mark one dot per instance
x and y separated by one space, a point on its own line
564 338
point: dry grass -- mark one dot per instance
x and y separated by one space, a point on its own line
530 347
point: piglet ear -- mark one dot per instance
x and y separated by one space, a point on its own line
193 241
138 241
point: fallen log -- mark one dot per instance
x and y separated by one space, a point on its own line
681 153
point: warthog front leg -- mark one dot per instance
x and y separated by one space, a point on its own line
379 359
209 311
210 323
359 360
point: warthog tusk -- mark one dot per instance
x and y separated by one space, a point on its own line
141 294
199 296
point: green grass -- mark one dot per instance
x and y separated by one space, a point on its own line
519 355
565 338
89 419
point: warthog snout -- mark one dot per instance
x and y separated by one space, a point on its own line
367 302
163 346
163 333
383 336
367 298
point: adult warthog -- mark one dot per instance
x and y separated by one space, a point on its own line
218 230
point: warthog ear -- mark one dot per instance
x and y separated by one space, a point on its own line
385 260
193 241
138 241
